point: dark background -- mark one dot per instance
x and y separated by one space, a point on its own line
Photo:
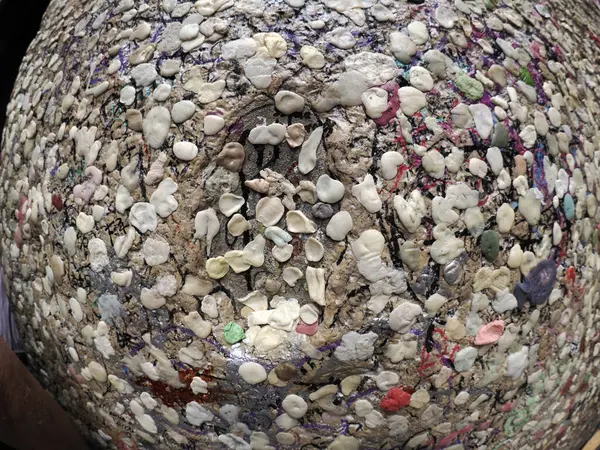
19 23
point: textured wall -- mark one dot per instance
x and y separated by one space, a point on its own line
309 224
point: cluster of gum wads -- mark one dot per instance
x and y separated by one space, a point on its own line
341 224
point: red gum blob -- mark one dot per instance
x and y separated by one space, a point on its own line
57 202
18 236
393 104
304 328
452 436
508 407
395 399
485 425
490 333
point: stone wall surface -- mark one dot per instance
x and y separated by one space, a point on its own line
310 224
